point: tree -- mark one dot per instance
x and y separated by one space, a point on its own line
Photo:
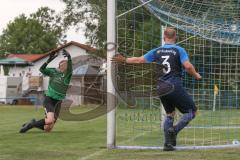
38 33
51 21
94 15
90 12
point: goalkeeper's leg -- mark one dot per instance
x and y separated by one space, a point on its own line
43 124
52 110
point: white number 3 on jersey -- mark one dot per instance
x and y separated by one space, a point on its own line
166 63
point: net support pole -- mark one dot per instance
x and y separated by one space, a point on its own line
214 102
163 113
215 97
111 51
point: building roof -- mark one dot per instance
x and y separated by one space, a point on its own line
28 57
37 57
87 60
83 46
85 70
14 61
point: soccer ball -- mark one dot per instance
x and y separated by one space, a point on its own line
234 27
235 142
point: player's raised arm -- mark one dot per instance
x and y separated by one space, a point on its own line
69 63
191 70
43 69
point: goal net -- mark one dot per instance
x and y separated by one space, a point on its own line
210 32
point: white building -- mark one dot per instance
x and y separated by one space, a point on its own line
77 51
80 53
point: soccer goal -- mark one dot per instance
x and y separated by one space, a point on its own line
210 32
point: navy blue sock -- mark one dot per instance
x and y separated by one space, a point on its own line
168 123
183 122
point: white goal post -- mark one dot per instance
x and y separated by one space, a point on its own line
111 41
214 127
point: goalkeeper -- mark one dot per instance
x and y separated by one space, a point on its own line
173 58
57 88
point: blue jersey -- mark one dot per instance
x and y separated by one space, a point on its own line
170 55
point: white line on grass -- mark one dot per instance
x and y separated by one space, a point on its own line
97 153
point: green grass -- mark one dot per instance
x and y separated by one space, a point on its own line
87 140
142 127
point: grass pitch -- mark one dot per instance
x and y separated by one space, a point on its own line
82 141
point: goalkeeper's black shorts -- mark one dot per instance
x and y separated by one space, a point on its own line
52 105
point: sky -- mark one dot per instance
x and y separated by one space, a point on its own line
9 9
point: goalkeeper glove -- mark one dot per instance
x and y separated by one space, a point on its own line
66 54
51 57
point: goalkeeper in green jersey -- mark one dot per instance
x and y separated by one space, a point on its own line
59 80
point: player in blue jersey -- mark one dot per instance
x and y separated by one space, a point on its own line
173 57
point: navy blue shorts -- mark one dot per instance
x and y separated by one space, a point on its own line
177 98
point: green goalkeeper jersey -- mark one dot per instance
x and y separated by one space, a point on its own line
58 82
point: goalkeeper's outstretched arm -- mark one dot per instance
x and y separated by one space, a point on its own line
43 69
69 63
